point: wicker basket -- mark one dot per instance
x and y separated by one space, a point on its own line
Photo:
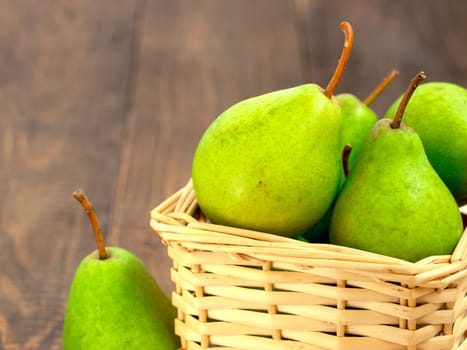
241 289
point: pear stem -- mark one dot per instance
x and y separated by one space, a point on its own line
381 87
416 80
81 197
346 50
345 159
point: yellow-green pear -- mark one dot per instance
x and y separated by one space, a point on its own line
357 120
115 303
438 113
319 233
393 201
272 162
358 117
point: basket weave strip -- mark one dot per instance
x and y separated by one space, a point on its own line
255 298
247 290
289 248
298 340
432 275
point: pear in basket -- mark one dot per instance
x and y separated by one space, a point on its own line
114 302
393 201
272 162
438 113
357 119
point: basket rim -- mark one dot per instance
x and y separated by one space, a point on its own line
173 221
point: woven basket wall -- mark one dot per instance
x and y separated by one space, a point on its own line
240 289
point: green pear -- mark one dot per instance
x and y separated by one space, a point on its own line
272 162
438 113
393 201
115 303
357 120
358 117
319 233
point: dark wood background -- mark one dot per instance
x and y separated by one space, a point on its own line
112 96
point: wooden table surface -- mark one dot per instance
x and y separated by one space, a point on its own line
112 96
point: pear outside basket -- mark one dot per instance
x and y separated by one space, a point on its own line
241 289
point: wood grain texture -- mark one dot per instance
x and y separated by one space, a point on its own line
63 84
408 36
195 59
113 96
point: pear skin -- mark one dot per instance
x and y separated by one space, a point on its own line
357 120
393 201
438 113
271 162
116 304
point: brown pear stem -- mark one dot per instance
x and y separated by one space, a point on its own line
346 50
381 87
81 197
416 80
345 159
